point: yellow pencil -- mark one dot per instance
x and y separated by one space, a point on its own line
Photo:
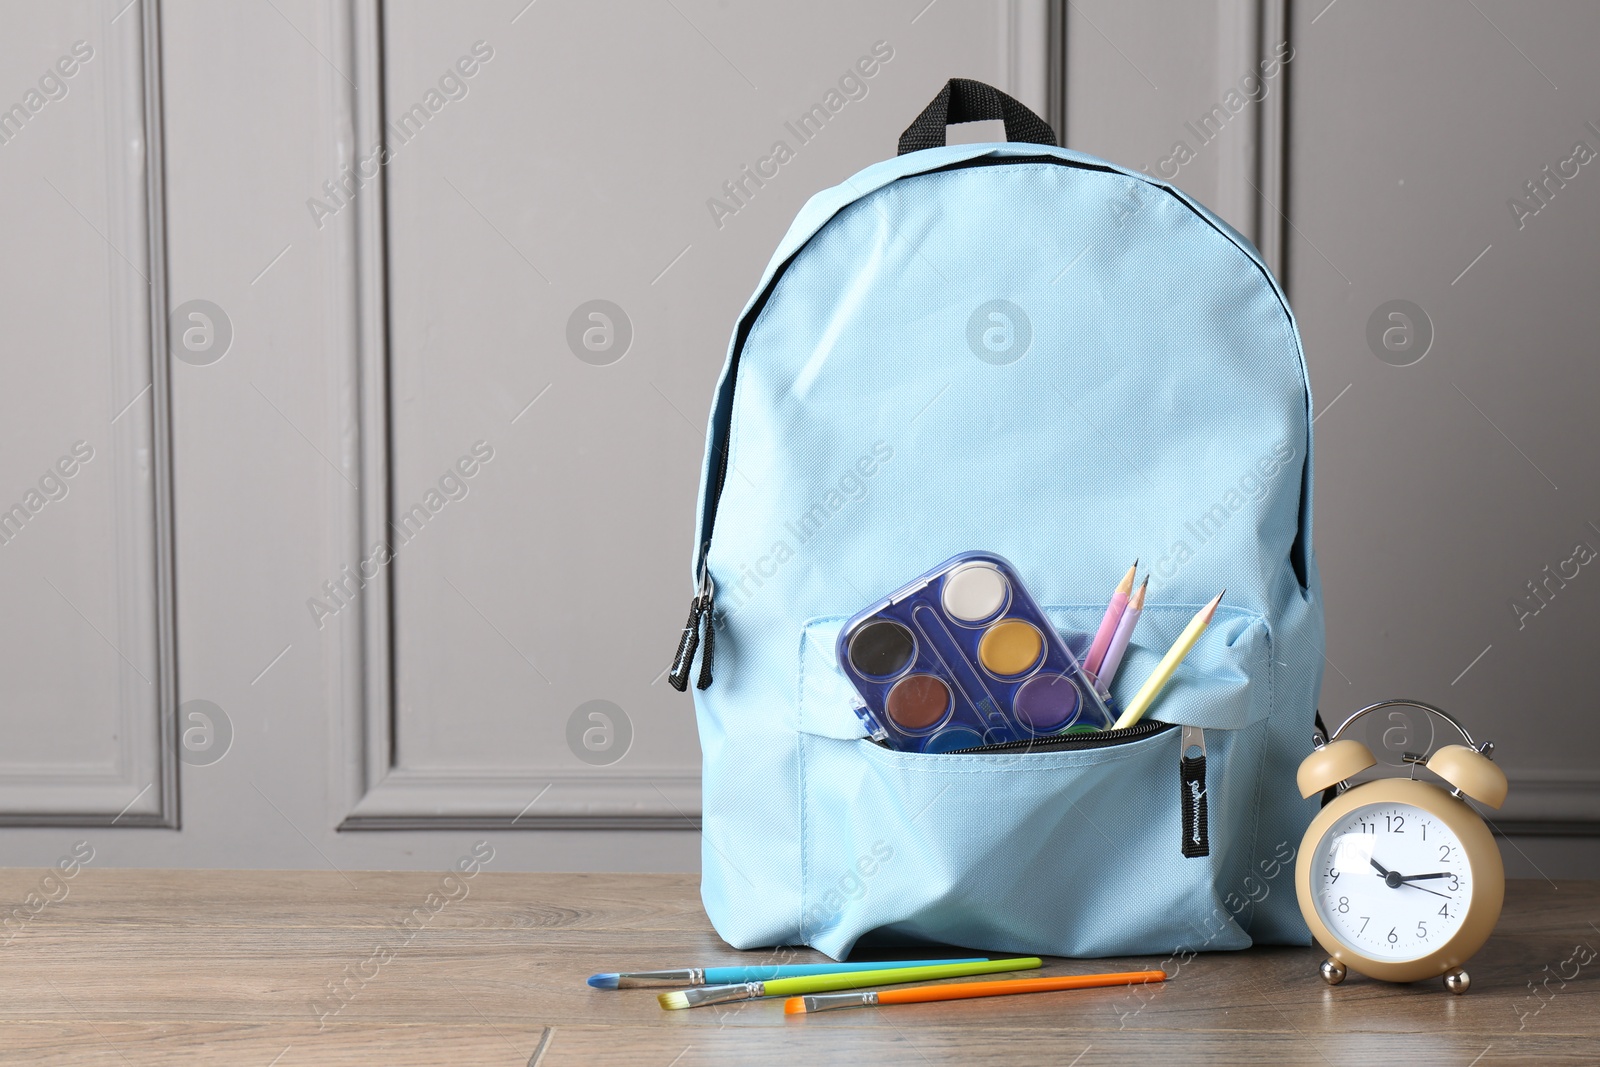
1158 678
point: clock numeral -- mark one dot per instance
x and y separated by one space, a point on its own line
1344 905
1444 853
1396 823
1455 883
1366 827
1393 937
1365 919
1424 831
1333 876
1444 909
1422 931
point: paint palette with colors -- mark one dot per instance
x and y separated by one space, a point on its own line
963 657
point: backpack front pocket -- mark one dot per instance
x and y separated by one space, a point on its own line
1115 849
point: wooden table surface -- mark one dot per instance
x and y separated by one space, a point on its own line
137 967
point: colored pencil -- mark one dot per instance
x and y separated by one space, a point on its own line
824 983
1108 624
696 976
1158 678
966 990
1120 639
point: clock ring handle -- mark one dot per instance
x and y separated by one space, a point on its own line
1487 748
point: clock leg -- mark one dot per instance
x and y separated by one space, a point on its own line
1333 972
1457 981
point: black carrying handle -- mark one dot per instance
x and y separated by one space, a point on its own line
965 100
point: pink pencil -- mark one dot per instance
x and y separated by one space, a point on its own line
1119 640
1108 625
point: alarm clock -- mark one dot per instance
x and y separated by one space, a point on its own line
1398 878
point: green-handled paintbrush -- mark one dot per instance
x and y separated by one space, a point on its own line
824 983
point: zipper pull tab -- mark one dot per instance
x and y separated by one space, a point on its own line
709 645
678 677
1192 790
689 643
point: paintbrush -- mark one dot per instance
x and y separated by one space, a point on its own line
823 983
702 976
966 990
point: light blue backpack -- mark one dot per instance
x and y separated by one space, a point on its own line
1029 351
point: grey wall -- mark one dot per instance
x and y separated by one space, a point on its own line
331 705
1384 164
1458 486
377 338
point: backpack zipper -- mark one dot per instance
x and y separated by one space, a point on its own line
1074 742
1194 806
701 605
1192 801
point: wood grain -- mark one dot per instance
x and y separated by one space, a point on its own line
176 967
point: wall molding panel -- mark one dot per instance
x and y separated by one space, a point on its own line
378 795
140 787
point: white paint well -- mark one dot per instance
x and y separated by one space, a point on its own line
975 591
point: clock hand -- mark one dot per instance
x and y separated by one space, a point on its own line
1415 877
1392 879
1436 893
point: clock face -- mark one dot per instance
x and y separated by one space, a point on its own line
1391 881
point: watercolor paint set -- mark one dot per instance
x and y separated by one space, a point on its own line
962 657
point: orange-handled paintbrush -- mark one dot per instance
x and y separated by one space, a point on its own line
965 990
